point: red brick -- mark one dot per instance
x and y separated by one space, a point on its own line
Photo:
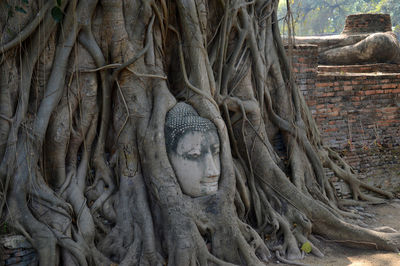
390 117
335 113
389 86
391 121
383 123
323 84
343 93
370 82
331 130
389 109
335 99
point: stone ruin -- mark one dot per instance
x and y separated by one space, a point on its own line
365 39
367 24
356 101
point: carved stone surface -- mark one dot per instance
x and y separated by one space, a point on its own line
193 149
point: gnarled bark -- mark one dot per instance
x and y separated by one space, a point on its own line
84 170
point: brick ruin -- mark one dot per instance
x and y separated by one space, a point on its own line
357 109
367 23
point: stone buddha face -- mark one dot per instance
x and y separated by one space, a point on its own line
193 150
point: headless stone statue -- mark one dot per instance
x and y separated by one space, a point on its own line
366 39
192 144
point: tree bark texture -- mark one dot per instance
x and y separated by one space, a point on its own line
84 172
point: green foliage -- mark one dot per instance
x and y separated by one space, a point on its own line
4 229
56 11
57 14
20 9
321 17
391 7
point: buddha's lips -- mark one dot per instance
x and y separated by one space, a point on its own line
210 180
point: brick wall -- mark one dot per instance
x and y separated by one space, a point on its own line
357 109
370 68
367 23
305 65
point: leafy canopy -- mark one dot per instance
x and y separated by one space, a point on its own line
322 17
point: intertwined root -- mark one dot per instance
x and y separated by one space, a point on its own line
93 96
342 170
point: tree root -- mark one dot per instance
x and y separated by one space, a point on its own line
344 171
41 238
28 30
290 262
134 211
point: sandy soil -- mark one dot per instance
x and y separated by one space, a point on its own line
338 255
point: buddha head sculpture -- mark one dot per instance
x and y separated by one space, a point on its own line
192 144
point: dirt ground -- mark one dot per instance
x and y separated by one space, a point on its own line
338 255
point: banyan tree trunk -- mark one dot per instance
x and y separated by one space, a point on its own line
85 176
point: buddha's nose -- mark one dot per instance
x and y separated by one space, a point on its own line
211 167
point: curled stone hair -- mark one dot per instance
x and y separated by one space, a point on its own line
182 118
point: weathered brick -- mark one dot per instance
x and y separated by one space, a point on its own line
331 129
335 113
389 109
348 88
323 85
353 111
389 86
